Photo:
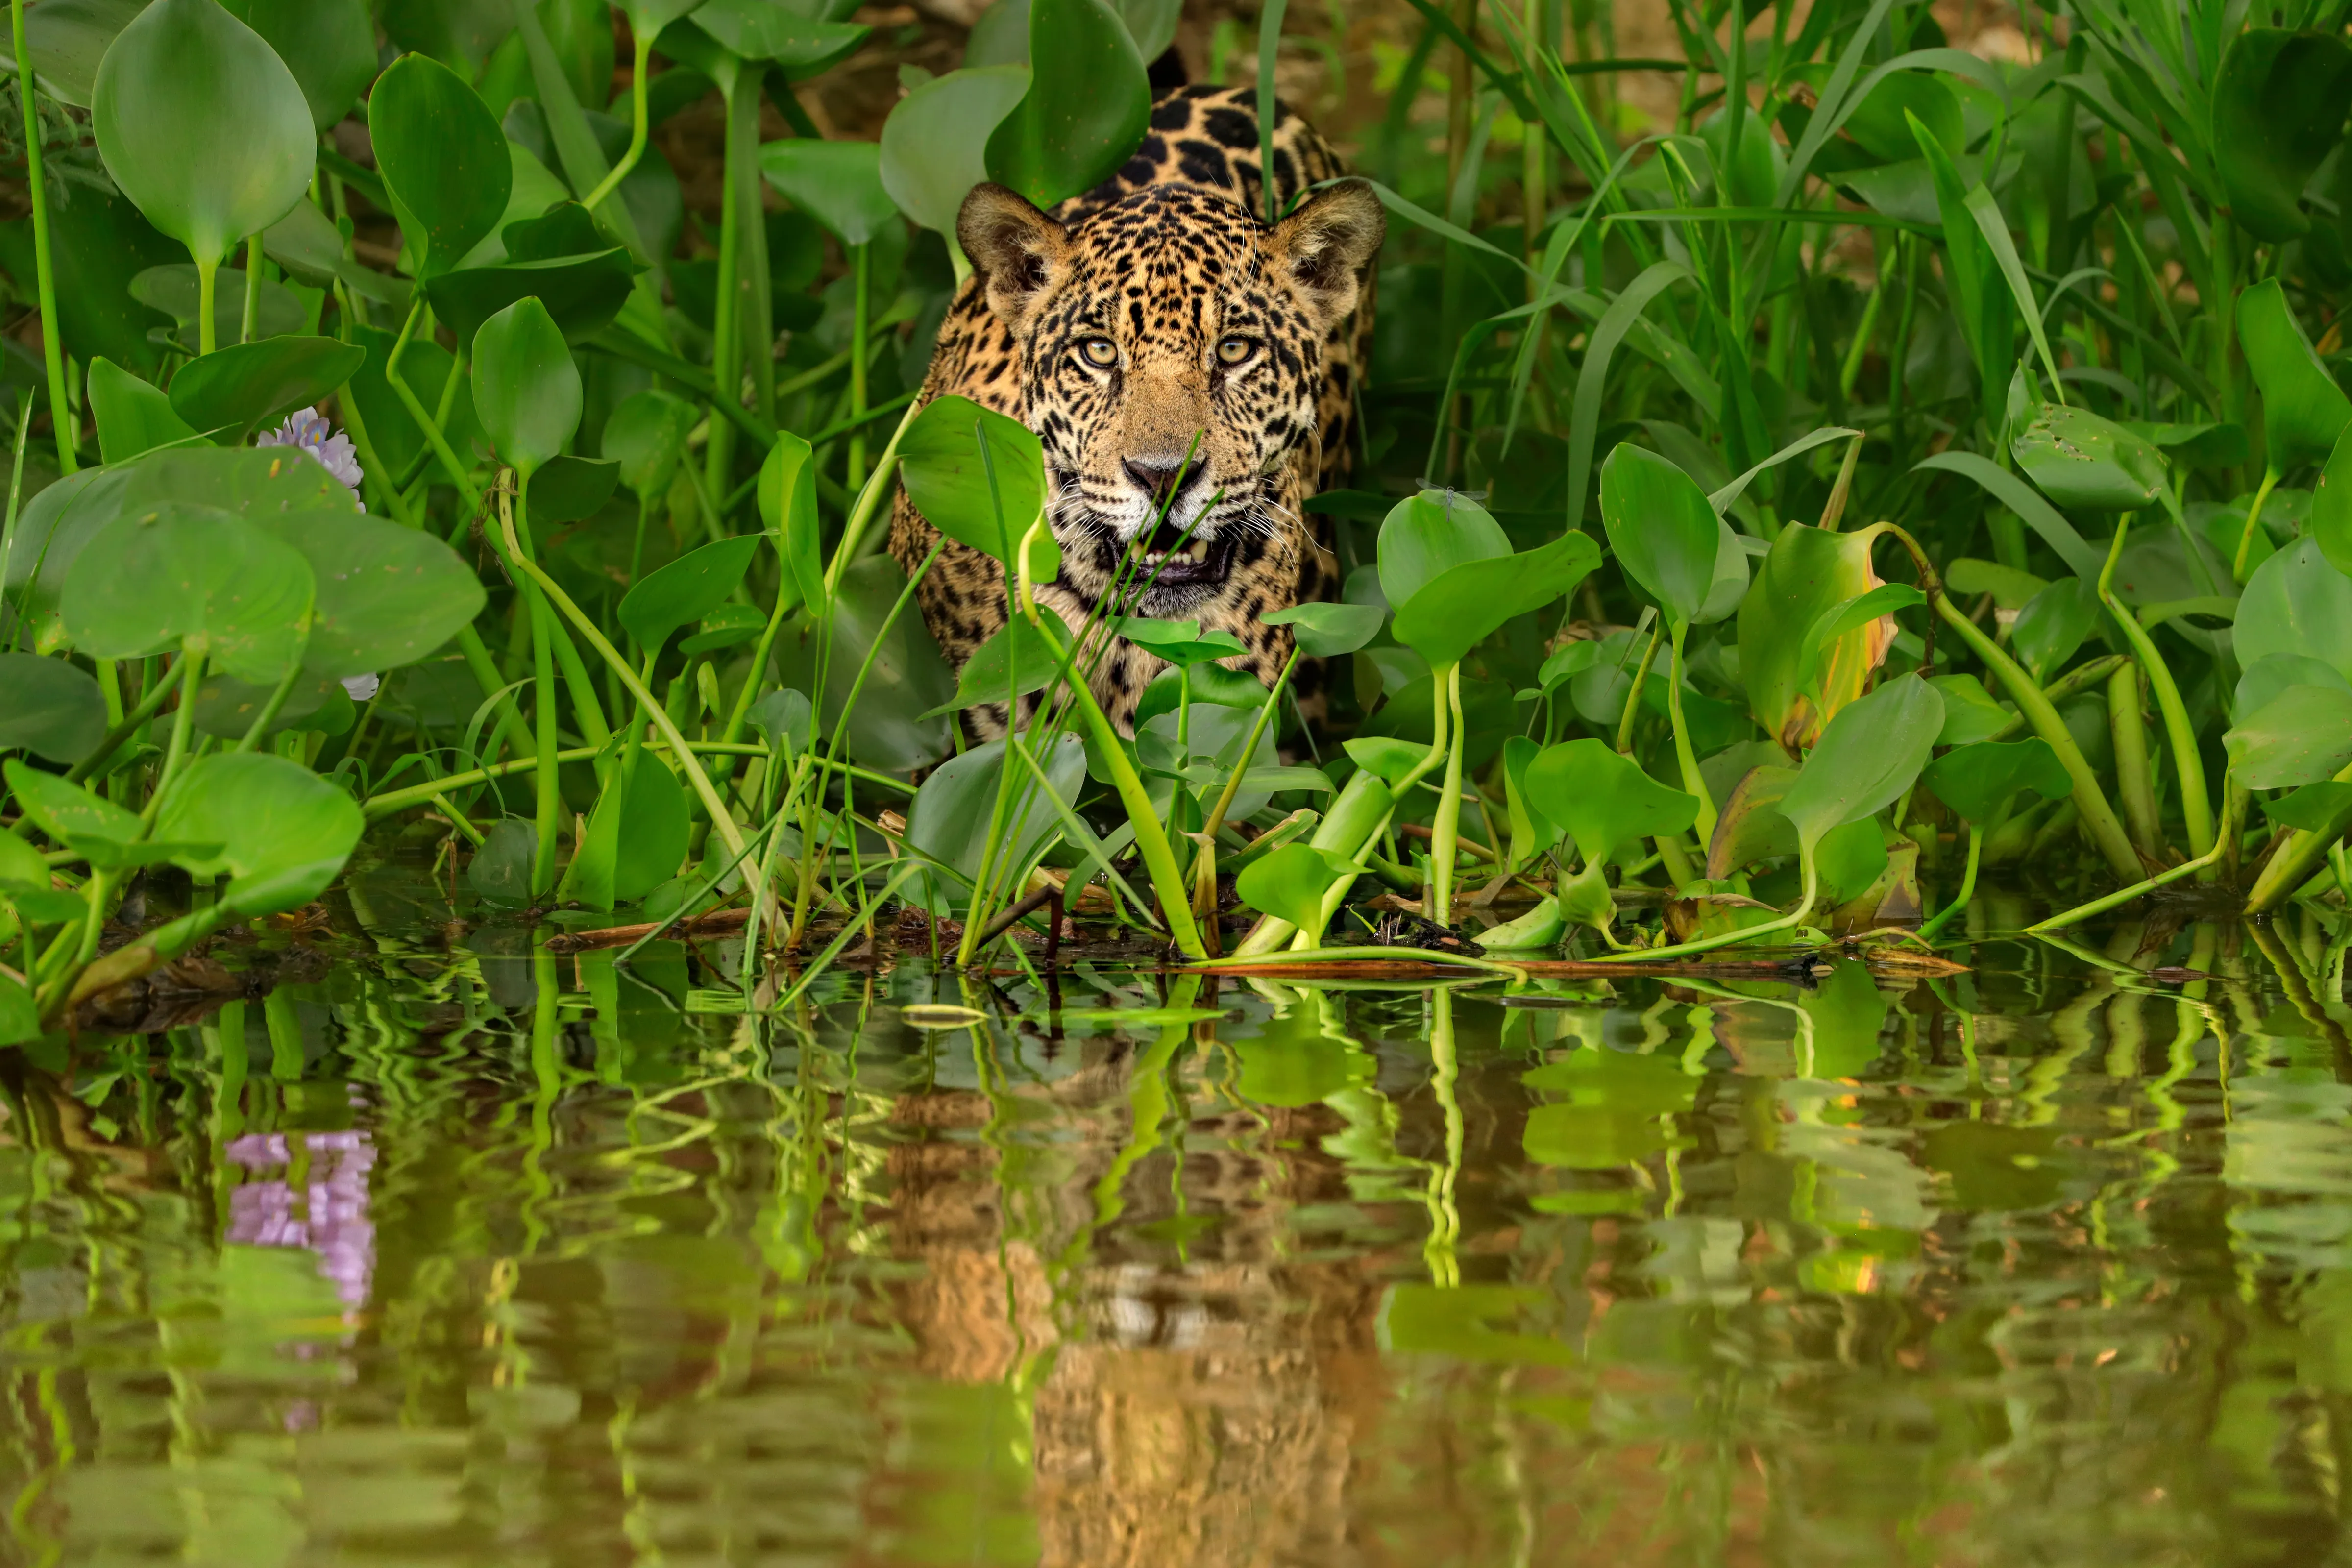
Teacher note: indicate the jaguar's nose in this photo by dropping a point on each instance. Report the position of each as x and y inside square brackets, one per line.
[1164, 478]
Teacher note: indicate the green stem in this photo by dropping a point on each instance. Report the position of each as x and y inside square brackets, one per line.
[248, 326]
[2081, 912]
[869, 498]
[207, 288]
[1967, 885]
[2270, 477]
[184, 720]
[1724, 939]
[52, 344]
[2133, 781]
[1633, 694]
[1360, 954]
[277, 703]
[1686, 759]
[131, 723]
[861, 263]
[2298, 857]
[640, 124]
[1445, 830]
[2196, 806]
[425, 794]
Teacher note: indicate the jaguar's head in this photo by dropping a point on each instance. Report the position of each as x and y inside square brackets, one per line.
[1171, 356]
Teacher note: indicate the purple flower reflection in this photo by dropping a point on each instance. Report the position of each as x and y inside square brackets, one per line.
[332, 1216]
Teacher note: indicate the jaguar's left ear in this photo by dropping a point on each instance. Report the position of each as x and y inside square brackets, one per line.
[1326, 244]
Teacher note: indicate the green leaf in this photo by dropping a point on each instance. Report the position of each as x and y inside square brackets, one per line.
[175, 288]
[284, 832]
[2313, 808]
[387, 595]
[2019, 498]
[1977, 780]
[636, 837]
[2082, 461]
[2270, 676]
[941, 459]
[787, 493]
[133, 415]
[2010, 588]
[1290, 883]
[2003, 250]
[1327, 631]
[1602, 800]
[1808, 573]
[2331, 505]
[935, 143]
[582, 293]
[952, 817]
[1841, 620]
[67, 39]
[2304, 410]
[1428, 535]
[1661, 527]
[1867, 755]
[686, 590]
[71, 815]
[568, 489]
[500, 869]
[1970, 714]
[2278, 109]
[1455, 610]
[2295, 603]
[763, 30]
[887, 730]
[329, 45]
[50, 708]
[202, 126]
[1088, 107]
[646, 436]
[21, 865]
[839, 184]
[1850, 858]
[250, 384]
[525, 388]
[1750, 826]
[203, 578]
[1015, 662]
[426, 367]
[2301, 736]
[1384, 756]
[1180, 642]
[2054, 624]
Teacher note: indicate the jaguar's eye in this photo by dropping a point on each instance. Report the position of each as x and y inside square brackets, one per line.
[1236, 350]
[1101, 353]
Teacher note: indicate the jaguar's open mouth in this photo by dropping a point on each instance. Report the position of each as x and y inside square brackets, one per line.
[1166, 559]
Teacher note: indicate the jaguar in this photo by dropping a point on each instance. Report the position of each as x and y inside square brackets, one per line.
[1191, 371]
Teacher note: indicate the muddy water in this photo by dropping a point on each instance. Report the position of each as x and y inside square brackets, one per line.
[479, 1258]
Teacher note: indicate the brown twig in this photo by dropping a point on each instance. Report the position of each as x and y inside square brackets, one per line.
[621, 936]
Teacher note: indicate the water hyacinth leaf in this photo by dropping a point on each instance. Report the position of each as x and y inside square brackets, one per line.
[1602, 800]
[74, 816]
[1088, 107]
[204, 175]
[2010, 587]
[2301, 736]
[728, 626]
[227, 707]
[2313, 807]
[1327, 631]
[2054, 624]
[686, 590]
[133, 416]
[636, 839]
[427, 368]
[646, 436]
[2304, 410]
[785, 718]
[1290, 883]
[1384, 756]
[1729, 591]
[567, 489]
[2295, 603]
[935, 143]
[1180, 642]
[525, 388]
[1807, 575]
[1977, 780]
[584, 294]
[21, 866]
[1970, 714]
[886, 729]
[2026, 502]
[948, 481]
[2080, 460]
[1015, 661]
[1849, 858]
[52, 708]
[387, 595]
[1660, 529]
[176, 288]
[801, 45]
[2206, 446]
[1202, 683]
[240, 387]
[1455, 610]
[1428, 534]
[839, 184]
[951, 818]
[500, 869]
[67, 39]
[284, 832]
[1867, 755]
[2331, 505]
[787, 495]
[1751, 827]
[2270, 675]
[329, 45]
[203, 579]
[1841, 621]
[2278, 109]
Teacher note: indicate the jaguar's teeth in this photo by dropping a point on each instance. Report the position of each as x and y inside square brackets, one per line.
[1198, 550]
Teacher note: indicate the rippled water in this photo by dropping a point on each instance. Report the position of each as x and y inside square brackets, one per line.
[477, 1257]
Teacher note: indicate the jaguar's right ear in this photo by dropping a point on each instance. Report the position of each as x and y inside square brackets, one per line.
[1018, 251]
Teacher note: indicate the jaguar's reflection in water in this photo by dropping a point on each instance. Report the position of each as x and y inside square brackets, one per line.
[520, 1262]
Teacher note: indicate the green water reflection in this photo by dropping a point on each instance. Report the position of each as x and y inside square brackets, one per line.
[483, 1257]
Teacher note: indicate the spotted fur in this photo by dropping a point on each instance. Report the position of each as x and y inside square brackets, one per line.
[1170, 263]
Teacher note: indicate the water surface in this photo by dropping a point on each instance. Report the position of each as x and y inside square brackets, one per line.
[466, 1257]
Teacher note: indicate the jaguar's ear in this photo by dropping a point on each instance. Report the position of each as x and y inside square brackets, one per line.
[1325, 245]
[1019, 252]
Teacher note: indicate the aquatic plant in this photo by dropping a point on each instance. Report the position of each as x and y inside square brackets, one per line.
[1791, 508]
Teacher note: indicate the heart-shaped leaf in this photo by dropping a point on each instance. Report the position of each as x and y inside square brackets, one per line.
[1431, 533]
[1661, 527]
[50, 708]
[2304, 410]
[799, 43]
[2314, 808]
[1088, 107]
[1867, 755]
[646, 436]
[329, 45]
[2278, 109]
[67, 39]
[284, 832]
[387, 595]
[1180, 642]
[1327, 631]
[2080, 460]
[686, 590]
[1458, 608]
[839, 184]
[2301, 736]
[637, 836]
[582, 293]
[1977, 780]
[1291, 882]
[250, 384]
[954, 816]
[1602, 800]
[133, 415]
[567, 489]
[947, 479]
[1014, 662]
[1808, 573]
[74, 816]
[2054, 624]
[525, 388]
[205, 579]
[2295, 603]
[202, 126]
[935, 143]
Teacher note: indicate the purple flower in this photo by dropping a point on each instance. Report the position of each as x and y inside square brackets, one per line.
[310, 431]
[329, 1215]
